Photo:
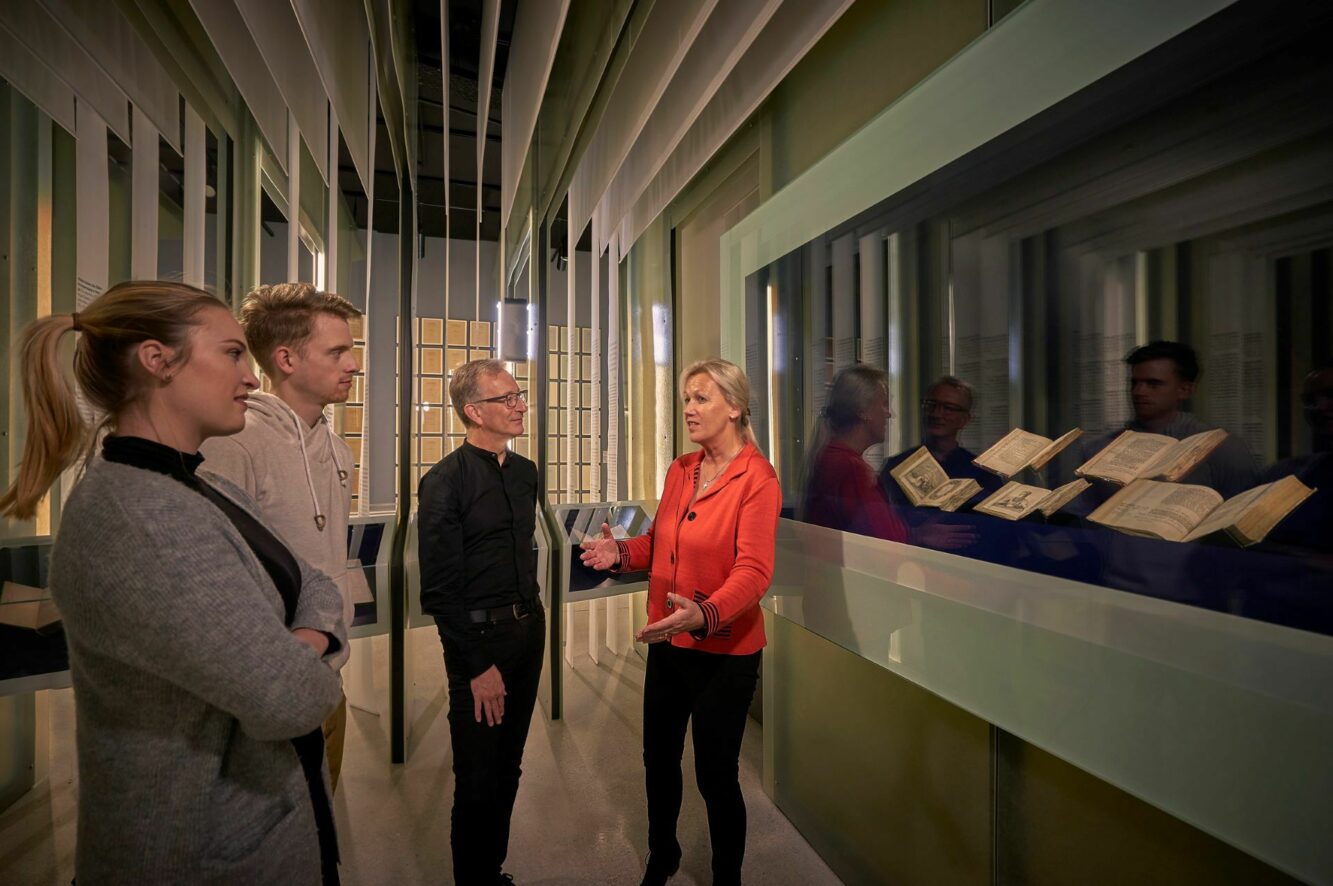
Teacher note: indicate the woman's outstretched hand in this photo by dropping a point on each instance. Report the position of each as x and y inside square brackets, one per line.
[686, 616]
[600, 552]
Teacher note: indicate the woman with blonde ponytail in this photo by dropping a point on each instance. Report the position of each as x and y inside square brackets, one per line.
[840, 490]
[203, 652]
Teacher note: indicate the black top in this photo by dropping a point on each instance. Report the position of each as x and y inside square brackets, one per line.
[475, 521]
[282, 567]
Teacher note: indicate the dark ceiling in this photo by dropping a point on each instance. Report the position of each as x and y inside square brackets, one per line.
[459, 125]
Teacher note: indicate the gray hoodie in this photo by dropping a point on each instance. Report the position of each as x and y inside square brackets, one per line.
[301, 478]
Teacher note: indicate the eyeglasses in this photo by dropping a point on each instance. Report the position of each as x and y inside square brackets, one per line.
[510, 400]
[948, 408]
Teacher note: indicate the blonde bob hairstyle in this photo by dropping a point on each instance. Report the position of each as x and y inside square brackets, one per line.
[735, 387]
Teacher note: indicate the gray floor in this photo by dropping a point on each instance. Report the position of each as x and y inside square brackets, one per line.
[580, 815]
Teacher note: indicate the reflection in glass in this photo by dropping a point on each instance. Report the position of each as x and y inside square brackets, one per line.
[1163, 273]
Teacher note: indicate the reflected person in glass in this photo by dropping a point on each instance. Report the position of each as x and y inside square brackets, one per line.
[203, 651]
[710, 555]
[1163, 376]
[839, 486]
[945, 411]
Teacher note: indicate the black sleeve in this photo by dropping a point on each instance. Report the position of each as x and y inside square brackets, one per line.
[440, 556]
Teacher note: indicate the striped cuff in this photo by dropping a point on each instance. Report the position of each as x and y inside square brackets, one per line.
[623, 564]
[711, 619]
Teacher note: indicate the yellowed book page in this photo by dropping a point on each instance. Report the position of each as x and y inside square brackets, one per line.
[1184, 456]
[1013, 501]
[1063, 495]
[951, 495]
[1013, 453]
[1250, 516]
[919, 475]
[1055, 447]
[1164, 510]
[1125, 457]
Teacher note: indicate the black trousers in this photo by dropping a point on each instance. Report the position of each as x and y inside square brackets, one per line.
[488, 759]
[714, 692]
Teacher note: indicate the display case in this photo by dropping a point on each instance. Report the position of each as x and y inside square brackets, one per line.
[1063, 696]
[577, 522]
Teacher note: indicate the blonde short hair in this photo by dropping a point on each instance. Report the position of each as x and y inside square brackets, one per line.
[284, 314]
[733, 383]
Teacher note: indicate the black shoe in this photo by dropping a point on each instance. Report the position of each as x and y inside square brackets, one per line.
[658, 872]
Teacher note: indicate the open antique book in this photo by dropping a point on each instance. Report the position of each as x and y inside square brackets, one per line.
[927, 486]
[1135, 455]
[1182, 512]
[22, 606]
[1014, 501]
[1021, 449]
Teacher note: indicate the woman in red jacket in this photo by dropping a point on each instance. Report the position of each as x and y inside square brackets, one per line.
[710, 558]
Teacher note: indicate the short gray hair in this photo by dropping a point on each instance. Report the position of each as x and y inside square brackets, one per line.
[463, 386]
[953, 381]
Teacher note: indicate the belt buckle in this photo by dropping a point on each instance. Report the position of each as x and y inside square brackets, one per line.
[520, 612]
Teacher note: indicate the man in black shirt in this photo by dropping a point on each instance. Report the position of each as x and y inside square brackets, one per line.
[476, 516]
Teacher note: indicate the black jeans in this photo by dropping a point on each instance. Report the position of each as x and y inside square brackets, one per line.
[715, 692]
[488, 759]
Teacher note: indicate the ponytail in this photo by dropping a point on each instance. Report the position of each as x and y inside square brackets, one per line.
[105, 369]
[56, 430]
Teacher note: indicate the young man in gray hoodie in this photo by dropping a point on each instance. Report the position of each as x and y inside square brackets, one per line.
[288, 458]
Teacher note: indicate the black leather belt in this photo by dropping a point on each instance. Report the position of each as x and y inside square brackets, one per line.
[512, 612]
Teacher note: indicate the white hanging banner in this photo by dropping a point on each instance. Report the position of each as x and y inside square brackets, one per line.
[731, 30]
[144, 196]
[196, 156]
[231, 38]
[26, 73]
[338, 36]
[665, 36]
[537, 28]
[277, 34]
[54, 53]
[108, 37]
[613, 371]
[784, 41]
[92, 186]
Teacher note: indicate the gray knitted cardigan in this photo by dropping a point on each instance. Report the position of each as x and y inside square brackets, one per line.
[188, 687]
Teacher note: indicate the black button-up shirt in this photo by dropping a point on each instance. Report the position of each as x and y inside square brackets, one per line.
[475, 522]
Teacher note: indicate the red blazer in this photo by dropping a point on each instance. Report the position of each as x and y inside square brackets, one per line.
[718, 553]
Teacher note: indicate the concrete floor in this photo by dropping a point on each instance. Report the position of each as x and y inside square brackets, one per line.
[580, 816]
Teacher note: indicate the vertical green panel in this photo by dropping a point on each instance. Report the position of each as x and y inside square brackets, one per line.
[887, 782]
[18, 742]
[1057, 824]
[873, 54]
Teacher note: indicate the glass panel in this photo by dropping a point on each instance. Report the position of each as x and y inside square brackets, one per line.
[1034, 340]
[120, 226]
[171, 213]
[272, 238]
